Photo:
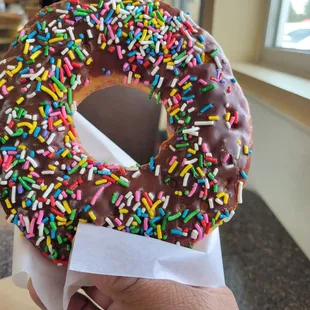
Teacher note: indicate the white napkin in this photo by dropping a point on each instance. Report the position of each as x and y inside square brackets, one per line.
[119, 253]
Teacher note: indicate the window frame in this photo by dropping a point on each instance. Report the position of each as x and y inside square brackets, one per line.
[291, 61]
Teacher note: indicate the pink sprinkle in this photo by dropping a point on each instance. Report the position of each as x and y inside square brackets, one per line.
[145, 223]
[63, 111]
[64, 194]
[200, 194]
[31, 71]
[153, 29]
[137, 196]
[86, 82]
[190, 65]
[103, 11]
[21, 219]
[140, 57]
[45, 153]
[12, 152]
[193, 190]
[187, 77]
[69, 22]
[111, 32]
[5, 158]
[31, 227]
[52, 49]
[26, 165]
[225, 158]
[167, 13]
[160, 195]
[183, 162]
[100, 190]
[140, 25]
[172, 160]
[136, 82]
[113, 167]
[78, 194]
[50, 73]
[206, 217]
[4, 91]
[137, 31]
[67, 61]
[73, 196]
[54, 114]
[106, 6]
[165, 102]
[158, 61]
[232, 119]
[97, 21]
[165, 36]
[190, 43]
[74, 164]
[126, 65]
[189, 101]
[119, 200]
[21, 34]
[194, 62]
[24, 89]
[36, 175]
[204, 147]
[146, 82]
[191, 51]
[203, 82]
[199, 229]
[119, 52]
[175, 100]
[29, 236]
[118, 222]
[41, 214]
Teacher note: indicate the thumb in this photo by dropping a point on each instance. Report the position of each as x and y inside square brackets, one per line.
[144, 294]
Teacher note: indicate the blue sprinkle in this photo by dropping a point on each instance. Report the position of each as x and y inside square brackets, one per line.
[87, 208]
[171, 120]
[39, 37]
[199, 216]
[15, 219]
[199, 60]
[244, 175]
[57, 72]
[66, 177]
[176, 232]
[161, 211]
[149, 231]
[109, 15]
[57, 193]
[38, 26]
[14, 43]
[53, 234]
[193, 78]
[45, 220]
[36, 132]
[144, 215]
[206, 108]
[24, 71]
[152, 163]
[155, 219]
[55, 104]
[60, 151]
[234, 80]
[8, 148]
[52, 217]
[188, 98]
[52, 60]
[38, 87]
[184, 214]
[32, 34]
[201, 38]
[187, 91]
[18, 58]
[139, 212]
[250, 152]
[201, 181]
[32, 153]
[42, 13]
[176, 72]
[28, 203]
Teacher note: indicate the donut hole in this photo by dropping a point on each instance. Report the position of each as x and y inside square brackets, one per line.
[127, 117]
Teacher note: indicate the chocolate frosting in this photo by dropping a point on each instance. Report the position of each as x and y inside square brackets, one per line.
[213, 153]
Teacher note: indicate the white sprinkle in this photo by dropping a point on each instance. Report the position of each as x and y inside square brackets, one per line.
[174, 82]
[180, 60]
[47, 191]
[124, 179]
[3, 73]
[89, 33]
[219, 201]
[170, 67]
[211, 204]
[238, 151]
[189, 58]
[27, 223]
[133, 168]
[32, 161]
[204, 123]
[194, 234]
[85, 52]
[185, 180]
[227, 219]
[199, 141]
[157, 170]
[101, 27]
[152, 59]
[82, 171]
[157, 47]
[8, 111]
[61, 11]
[136, 206]
[31, 95]
[191, 110]
[196, 147]
[160, 83]
[128, 223]
[39, 241]
[51, 138]
[36, 186]
[240, 189]
[191, 130]
[230, 166]
[90, 174]
[155, 70]
[51, 149]
[52, 23]
[192, 161]
[215, 171]
[61, 128]
[64, 51]
[10, 218]
[93, 8]
[13, 194]
[131, 45]
[60, 206]
[71, 33]
[34, 76]
[172, 148]
[129, 201]
[136, 174]
[9, 130]
[129, 80]
[4, 182]
[34, 205]
[198, 49]
[121, 206]
[218, 62]
[165, 205]
[111, 225]
[48, 172]
[41, 229]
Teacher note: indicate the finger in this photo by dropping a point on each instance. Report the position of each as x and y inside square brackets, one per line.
[98, 297]
[34, 295]
[81, 302]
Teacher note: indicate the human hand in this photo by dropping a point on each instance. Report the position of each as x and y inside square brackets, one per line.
[119, 293]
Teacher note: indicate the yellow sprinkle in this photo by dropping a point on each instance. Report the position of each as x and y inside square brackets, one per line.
[174, 112]
[220, 222]
[13, 211]
[144, 33]
[45, 75]
[100, 182]
[138, 76]
[22, 146]
[48, 91]
[61, 219]
[103, 46]
[10, 88]
[123, 211]
[41, 139]
[149, 210]
[6, 138]
[9, 73]
[69, 119]
[59, 93]
[226, 197]
[92, 215]
[167, 59]
[54, 40]
[25, 124]
[17, 69]
[200, 45]
[51, 167]
[8, 203]
[145, 23]
[156, 204]
[2, 82]
[24, 204]
[188, 85]
[220, 195]
[217, 215]
[185, 170]
[82, 162]
[58, 64]
[71, 135]
[65, 153]
[67, 207]
[159, 233]
[78, 41]
[200, 172]
[48, 241]
[57, 123]
[173, 92]
[246, 149]
[57, 185]
[121, 227]
[227, 116]
[125, 34]
[82, 221]
[33, 127]
[71, 55]
[43, 188]
[203, 57]
[61, 223]
[115, 177]
[67, 139]
[20, 100]
[173, 166]
[134, 223]
[191, 151]
[89, 61]
[69, 223]
[41, 109]
[214, 118]
[35, 55]
[239, 141]
[26, 48]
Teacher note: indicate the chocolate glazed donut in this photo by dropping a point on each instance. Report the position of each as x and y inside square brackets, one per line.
[49, 183]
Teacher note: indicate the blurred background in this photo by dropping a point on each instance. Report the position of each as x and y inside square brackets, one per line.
[266, 248]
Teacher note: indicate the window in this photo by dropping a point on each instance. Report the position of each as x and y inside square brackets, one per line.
[287, 44]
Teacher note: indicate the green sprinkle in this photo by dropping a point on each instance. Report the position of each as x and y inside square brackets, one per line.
[158, 98]
[136, 217]
[24, 185]
[214, 53]
[160, 16]
[167, 180]
[164, 223]
[29, 180]
[114, 197]
[174, 217]
[191, 215]
[200, 163]
[59, 239]
[72, 215]
[215, 188]
[213, 222]
[165, 237]
[53, 225]
[46, 231]
[58, 83]
[77, 13]
[211, 176]
[208, 88]
[181, 145]
[123, 183]
[151, 92]
[135, 230]
[70, 98]
[80, 54]
[181, 55]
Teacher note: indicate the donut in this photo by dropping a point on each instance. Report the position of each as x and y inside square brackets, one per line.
[49, 183]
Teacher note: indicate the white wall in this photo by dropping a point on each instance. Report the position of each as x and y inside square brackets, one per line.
[280, 170]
